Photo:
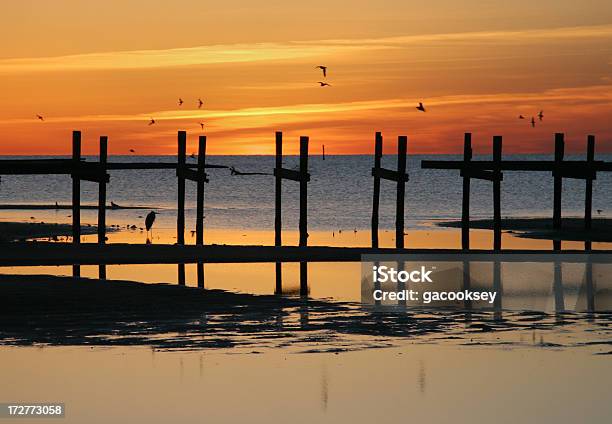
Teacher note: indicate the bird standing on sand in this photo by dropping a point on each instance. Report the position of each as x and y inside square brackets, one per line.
[180, 102]
[421, 107]
[532, 122]
[324, 69]
[149, 220]
[200, 103]
[324, 84]
[540, 115]
[152, 121]
[201, 125]
[40, 118]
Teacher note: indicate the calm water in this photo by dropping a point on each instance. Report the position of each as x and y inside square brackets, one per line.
[339, 196]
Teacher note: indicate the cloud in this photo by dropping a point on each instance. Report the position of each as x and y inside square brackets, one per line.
[237, 53]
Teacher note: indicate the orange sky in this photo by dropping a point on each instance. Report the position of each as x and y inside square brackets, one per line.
[106, 69]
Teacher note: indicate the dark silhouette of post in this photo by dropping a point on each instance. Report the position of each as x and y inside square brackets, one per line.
[402, 143]
[76, 195]
[558, 179]
[376, 196]
[201, 180]
[497, 176]
[102, 201]
[324, 152]
[558, 185]
[180, 219]
[278, 208]
[588, 197]
[303, 212]
[465, 204]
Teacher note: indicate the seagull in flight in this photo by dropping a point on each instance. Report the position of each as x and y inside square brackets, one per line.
[532, 122]
[541, 114]
[152, 121]
[201, 125]
[421, 107]
[324, 84]
[323, 68]
[180, 102]
[200, 103]
[40, 117]
[521, 117]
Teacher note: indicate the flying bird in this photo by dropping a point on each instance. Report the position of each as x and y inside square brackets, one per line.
[40, 117]
[532, 121]
[421, 107]
[132, 151]
[323, 68]
[180, 102]
[521, 117]
[541, 114]
[149, 220]
[201, 125]
[200, 103]
[324, 84]
[152, 121]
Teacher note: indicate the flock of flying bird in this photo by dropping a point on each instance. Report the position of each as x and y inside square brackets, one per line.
[323, 83]
[540, 116]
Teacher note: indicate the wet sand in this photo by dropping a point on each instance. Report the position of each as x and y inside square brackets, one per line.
[20, 231]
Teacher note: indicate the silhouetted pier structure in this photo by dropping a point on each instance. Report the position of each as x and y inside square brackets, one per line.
[492, 171]
[102, 254]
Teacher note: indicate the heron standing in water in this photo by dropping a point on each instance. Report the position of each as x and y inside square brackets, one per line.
[149, 220]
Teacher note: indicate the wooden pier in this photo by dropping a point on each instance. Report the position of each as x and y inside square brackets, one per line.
[102, 254]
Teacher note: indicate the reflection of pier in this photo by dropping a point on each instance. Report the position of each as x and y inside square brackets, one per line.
[563, 281]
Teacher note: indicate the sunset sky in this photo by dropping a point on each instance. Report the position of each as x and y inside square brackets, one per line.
[106, 68]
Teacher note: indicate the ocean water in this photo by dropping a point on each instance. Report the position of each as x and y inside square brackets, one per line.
[339, 193]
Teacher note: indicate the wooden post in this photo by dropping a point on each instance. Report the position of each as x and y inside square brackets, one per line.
[303, 212]
[102, 201]
[200, 204]
[497, 156]
[76, 195]
[180, 219]
[376, 196]
[402, 145]
[465, 204]
[324, 152]
[278, 209]
[558, 180]
[303, 191]
[588, 198]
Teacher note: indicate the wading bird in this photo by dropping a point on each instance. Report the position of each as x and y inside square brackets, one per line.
[532, 122]
[200, 103]
[180, 102]
[152, 121]
[201, 125]
[323, 68]
[40, 117]
[521, 117]
[540, 115]
[149, 220]
[324, 84]
[421, 107]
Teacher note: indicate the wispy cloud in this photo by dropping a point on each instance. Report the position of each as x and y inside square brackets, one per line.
[236, 53]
